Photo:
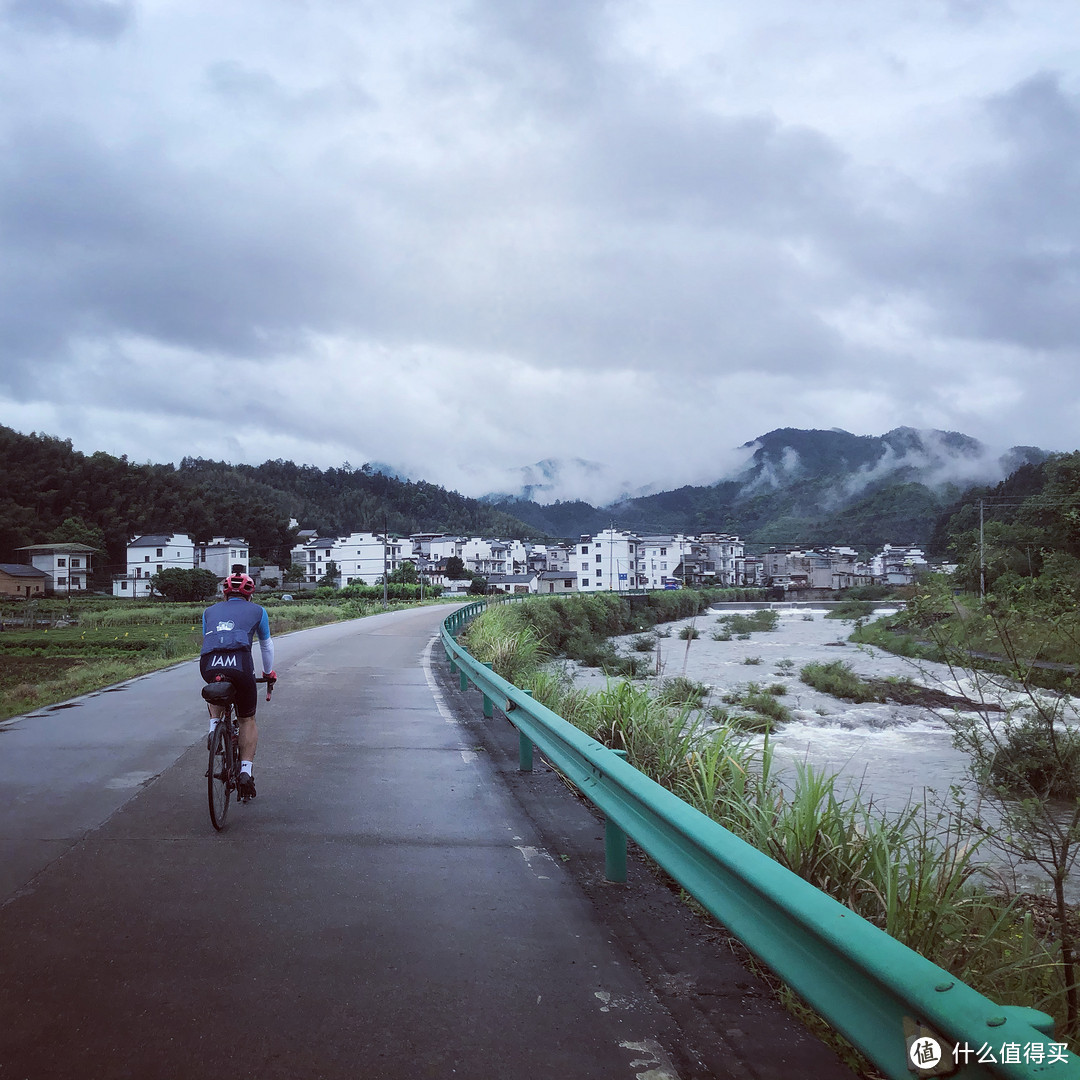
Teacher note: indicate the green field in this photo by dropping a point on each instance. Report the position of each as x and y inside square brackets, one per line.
[85, 644]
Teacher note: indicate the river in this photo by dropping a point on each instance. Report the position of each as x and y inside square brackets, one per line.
[888, 752]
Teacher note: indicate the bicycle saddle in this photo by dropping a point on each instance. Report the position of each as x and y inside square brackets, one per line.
[219, 693]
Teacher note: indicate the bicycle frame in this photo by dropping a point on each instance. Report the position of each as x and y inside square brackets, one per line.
[223, 770]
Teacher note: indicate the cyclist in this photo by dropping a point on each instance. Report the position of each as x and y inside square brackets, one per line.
[229, 630]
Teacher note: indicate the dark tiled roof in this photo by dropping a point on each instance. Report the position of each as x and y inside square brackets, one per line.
[19, 570]
[61, 548]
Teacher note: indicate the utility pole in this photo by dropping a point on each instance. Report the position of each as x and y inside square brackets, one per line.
[385, 572]
[982, 555]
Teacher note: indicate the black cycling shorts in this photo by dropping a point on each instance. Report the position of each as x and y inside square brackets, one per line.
[237, 667]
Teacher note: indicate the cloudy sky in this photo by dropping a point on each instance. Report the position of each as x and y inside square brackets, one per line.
[460, 236]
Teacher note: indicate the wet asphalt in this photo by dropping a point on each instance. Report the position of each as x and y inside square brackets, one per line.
[390, 906]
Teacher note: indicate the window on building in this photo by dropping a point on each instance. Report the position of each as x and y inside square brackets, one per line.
[123, 586]
[76, 564]
[146, 558]
[585, 583]
[61, 562]
[598, 557]
[61, 581]
[584, 549]
[568, 584]
[585, 566]
[663, 551]
[158, 554]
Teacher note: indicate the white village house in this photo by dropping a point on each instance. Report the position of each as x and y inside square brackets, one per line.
[148, 554]
[66, 566]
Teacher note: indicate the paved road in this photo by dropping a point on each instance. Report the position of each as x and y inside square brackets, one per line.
[384, 909]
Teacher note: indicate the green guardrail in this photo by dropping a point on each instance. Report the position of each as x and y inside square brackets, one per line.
[906, 1014]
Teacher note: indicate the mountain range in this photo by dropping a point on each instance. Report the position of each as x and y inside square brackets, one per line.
[798, 487]
[793, 486]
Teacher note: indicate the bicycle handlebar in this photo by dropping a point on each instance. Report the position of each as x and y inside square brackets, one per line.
[269, 685]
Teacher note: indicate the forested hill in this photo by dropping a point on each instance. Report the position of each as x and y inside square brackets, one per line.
[51, 492]
[1030, 528]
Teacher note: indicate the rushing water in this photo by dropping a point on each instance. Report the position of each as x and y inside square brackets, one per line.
[891, 753]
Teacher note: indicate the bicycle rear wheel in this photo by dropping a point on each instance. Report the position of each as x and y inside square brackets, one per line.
[218, 777]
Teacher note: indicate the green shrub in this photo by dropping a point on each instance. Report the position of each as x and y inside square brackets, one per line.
[765, 620]
[837, 678]
[682, 691]
[1035, 760]
[689, 633]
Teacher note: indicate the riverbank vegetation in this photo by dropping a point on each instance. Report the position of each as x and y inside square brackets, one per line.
[916, 874]
[55, 649]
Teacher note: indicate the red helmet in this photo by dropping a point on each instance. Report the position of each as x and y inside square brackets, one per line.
[238, 585]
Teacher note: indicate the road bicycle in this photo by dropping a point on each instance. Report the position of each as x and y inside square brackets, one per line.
[223, 771]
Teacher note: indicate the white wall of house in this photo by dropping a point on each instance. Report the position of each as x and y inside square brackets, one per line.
[557, 582]
[606, 562]
[221, 554]
[359, 557]
[146, 555]
[486, 557]
[67, 567]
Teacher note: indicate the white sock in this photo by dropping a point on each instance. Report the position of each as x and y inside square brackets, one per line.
[248, 767]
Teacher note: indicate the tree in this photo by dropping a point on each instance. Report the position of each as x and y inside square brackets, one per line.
[296, 574]
[330, 578]
[455, 568]
[1023, 744]
[405, 574]
[178, 584]
[74, 530]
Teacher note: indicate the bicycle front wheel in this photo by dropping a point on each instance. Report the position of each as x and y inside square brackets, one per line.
[217, 777]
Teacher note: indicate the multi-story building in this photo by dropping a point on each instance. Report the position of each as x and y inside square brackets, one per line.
[726, 553]
[832, 568]
[221, 554]
[66, 566]
[359, 558]
[148, 554]
[607, 562]
[897, 564]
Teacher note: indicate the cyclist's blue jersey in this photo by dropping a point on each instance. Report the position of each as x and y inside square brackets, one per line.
[234, 624]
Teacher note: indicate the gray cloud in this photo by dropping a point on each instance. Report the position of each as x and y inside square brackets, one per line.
[102, 19]
[575, 216]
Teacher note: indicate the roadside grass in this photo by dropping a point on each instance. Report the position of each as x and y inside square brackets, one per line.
[910, 873]
[96, 642]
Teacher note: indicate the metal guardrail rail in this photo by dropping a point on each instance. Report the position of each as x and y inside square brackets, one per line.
[900, 1009]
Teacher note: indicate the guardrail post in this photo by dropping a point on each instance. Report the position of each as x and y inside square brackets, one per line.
[615, 846]
[614, 853]
[489, 705]
[463, 682]
[525, 748]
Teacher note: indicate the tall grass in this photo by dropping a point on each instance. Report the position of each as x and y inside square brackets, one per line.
[909, 873]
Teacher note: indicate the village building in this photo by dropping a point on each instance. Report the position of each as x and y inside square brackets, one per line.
[146, 555]
[221, 555]
[359, 558]
[556, 581]
[66, 566]
[18, 579]
[608, 562]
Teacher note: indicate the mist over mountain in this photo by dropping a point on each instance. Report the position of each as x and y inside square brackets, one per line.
[567, 479]
[798, 486]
